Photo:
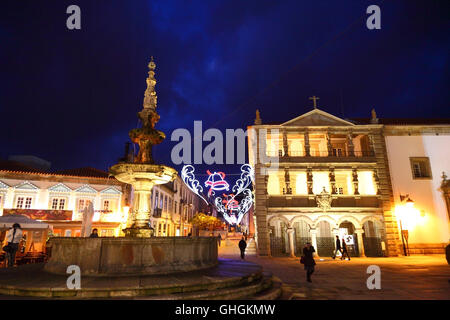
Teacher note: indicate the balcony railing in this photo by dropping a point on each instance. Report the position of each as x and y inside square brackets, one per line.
[334, 153]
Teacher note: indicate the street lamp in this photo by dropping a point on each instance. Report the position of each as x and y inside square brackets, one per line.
[409, 204]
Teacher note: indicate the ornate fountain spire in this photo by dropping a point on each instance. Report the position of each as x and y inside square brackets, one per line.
[147, 135]
[150, 97]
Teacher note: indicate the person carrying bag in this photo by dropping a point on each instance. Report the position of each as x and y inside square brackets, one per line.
[13, 236]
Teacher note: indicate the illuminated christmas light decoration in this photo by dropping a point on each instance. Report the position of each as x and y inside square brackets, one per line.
[188, 177]
[231, 209]
[216, 182]
[230, 212]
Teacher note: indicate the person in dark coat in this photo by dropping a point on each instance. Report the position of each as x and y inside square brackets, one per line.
[94, 234]
[242, 246]
[309, 262]
[344, 250]
[338, 247]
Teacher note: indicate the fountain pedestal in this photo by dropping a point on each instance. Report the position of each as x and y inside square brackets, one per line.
[142, 177]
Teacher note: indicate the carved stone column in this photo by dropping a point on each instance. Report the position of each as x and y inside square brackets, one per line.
[307, 147]
[285, 144]
[332, 180]
[287, 181]
[377, 181]
[371, 145]
[329, 146]
[290, 232]
[359, 237]
[355, 181]
[309, 180]
[351, 147]
[313, 233]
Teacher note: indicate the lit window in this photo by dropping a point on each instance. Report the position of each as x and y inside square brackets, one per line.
[421, 168]
[62, 204]
[366, 184]
[19, 203]
[301, 184]
[58, 203]
[82, 204]
[54, 204]
[28, 203]
[320, 181]
[273, 184]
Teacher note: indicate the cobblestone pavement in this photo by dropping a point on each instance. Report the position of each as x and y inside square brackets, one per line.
[413, 277]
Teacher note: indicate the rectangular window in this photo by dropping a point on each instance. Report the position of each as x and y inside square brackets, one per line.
[82, 204]
[19, 203]
[28, 203]
[420, 167]
[156, 199]
[58, 203]
[337, 152]
[106, 205]
[62, 204]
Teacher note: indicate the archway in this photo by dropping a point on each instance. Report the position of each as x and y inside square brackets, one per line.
[347, 228]
[372, 237]
[302, 235]
[279, 241]
[325, 239]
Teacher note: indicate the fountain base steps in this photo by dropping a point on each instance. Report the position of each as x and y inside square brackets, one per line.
[230, 279]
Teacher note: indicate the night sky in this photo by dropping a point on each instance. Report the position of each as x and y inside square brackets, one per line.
[71, 96]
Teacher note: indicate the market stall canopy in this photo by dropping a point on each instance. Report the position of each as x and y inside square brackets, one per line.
[6, 222]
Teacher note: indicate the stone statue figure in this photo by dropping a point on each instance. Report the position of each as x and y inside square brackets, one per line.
[147, 136]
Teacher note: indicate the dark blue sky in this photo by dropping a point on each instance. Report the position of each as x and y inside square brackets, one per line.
[71, 97]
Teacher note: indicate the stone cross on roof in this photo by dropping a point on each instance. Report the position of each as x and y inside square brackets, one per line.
[314, 99]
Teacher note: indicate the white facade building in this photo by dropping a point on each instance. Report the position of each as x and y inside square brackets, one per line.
[418, 156]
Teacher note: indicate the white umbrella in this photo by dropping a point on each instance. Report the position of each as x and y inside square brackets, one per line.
[86, 225]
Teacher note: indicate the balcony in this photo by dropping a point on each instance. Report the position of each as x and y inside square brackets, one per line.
[338, 201]
[337, 155]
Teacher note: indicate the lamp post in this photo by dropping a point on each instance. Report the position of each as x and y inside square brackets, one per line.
[408, 204]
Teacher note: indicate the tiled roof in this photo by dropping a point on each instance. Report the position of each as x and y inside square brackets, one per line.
[8, 165]
[84, 172]
[14, 166]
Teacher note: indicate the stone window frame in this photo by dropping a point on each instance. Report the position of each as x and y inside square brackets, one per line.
[426, 160]
[25, 196]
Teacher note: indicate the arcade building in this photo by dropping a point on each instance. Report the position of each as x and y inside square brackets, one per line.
[375, 180]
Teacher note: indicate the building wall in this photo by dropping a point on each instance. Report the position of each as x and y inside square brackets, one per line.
[39, 188]
[433, 226]
[177, 216]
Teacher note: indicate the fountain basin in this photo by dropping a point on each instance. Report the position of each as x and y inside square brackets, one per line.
[137, 173]
[132, 256]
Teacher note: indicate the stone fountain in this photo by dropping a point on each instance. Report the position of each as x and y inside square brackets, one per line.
[139, 265]
[143, 173]
[138, 253]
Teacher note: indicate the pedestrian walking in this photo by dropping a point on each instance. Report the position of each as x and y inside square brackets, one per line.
[242, 246]
[308, 260]
[344, 250]
[220, 239]
[338, 247]
[13, 237]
